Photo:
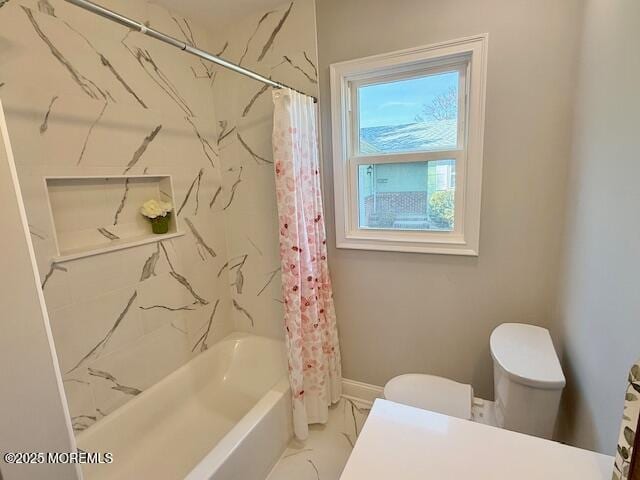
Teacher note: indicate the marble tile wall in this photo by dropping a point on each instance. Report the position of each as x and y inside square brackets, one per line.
[84, 96]
[279, 43]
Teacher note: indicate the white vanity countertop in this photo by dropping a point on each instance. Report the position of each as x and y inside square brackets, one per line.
[405, 443]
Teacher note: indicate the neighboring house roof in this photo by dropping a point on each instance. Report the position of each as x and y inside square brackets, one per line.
[429, 135]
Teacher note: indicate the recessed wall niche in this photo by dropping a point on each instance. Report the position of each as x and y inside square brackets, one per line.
[93, 215]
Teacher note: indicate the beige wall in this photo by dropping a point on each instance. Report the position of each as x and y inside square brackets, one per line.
[599, 312]
[428, 313]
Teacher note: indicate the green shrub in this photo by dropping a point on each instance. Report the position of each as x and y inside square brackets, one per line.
[441, 208]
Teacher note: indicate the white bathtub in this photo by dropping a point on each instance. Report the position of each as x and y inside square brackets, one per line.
[225, 415]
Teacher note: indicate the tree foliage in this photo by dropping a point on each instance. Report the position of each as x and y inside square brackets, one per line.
[441, 208]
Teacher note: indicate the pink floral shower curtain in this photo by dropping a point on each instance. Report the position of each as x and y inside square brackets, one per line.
[310, 320]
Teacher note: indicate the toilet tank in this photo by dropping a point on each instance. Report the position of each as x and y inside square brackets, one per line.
[528, 379]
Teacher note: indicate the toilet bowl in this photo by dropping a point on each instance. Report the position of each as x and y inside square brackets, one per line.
[528, 383]
[431, 393]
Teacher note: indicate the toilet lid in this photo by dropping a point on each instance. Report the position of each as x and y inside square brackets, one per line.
[431, 393]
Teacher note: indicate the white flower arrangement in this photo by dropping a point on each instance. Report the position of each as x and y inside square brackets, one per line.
[155, 208]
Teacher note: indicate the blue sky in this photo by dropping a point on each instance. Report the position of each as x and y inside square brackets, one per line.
[398, 103]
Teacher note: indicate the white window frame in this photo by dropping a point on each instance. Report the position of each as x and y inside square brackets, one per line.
[346, 77]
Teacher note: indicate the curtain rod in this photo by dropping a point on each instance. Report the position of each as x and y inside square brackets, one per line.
[140, 27]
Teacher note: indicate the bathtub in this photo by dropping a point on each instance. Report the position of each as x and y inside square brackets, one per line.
[225, 415]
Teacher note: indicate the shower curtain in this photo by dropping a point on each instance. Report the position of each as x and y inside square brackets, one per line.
[309, 315]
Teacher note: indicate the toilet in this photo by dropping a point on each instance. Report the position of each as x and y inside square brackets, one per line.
[431, 393]
[528, 383]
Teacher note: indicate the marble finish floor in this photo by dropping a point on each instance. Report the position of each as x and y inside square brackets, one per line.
[325, 453]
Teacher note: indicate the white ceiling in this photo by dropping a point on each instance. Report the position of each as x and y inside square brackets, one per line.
[211, 13]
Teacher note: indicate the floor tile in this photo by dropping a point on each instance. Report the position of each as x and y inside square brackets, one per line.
[324, 454]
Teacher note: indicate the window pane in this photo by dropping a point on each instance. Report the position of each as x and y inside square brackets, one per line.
[409, 115]
[407, 196]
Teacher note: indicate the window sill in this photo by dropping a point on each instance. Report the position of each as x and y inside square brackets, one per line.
[435, 248]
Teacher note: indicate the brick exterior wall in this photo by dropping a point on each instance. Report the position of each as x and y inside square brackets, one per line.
[390, 203]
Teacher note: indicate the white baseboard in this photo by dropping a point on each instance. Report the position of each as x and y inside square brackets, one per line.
[360, 391]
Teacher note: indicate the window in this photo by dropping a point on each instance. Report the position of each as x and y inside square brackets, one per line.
[407, 148]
